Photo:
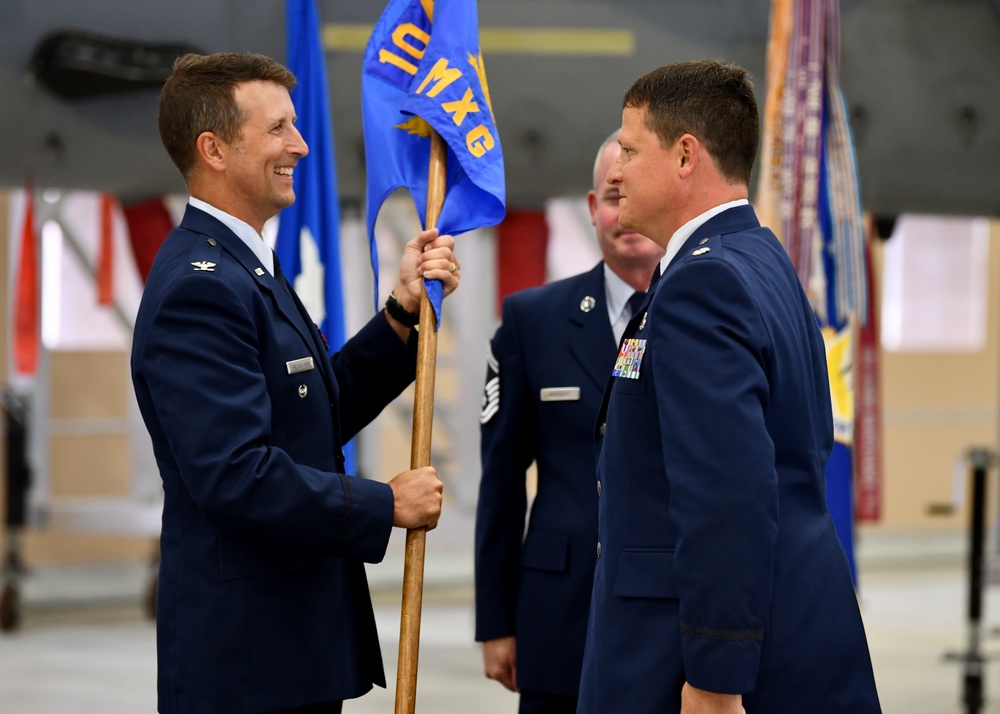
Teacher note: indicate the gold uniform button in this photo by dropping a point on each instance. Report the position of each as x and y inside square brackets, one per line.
[598, 550]
[598, 488]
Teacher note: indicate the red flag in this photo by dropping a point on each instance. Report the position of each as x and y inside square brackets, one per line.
[868, 404]
[26, 298]
[105, 254]
[522, 240]
[148, 224]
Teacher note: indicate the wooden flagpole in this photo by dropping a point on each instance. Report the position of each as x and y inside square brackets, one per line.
[420, 455]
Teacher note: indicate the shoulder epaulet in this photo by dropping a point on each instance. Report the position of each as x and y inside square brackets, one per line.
[705, 245]
[205, 255]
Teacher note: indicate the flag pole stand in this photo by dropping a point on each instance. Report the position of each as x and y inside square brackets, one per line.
[973, 660]
[420, 455]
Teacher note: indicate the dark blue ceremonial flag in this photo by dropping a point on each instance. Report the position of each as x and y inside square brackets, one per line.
[308, 242]
[423, 69]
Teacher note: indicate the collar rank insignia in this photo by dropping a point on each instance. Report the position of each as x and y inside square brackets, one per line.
[588, 304]
[204, 266]
[259, 271]
[642, 323]
[701, 251]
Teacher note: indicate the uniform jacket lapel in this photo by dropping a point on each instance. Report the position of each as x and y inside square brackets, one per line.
[593, 334]
[288, 304]
[739, 218]
[318, 345]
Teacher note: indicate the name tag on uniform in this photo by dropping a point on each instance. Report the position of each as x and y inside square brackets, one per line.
[561, 394]
[629, 359]
[300, 365]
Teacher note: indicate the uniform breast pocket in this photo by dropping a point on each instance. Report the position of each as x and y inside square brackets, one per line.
[303, 381]
[646, 573]
[298, 391]
[290, 362]
[630, 387]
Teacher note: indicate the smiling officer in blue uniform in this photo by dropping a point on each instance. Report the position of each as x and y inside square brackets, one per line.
[549, 362]
[263, 605]
[720, 585]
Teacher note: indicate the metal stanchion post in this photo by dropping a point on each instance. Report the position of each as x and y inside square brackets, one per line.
[972, 659]
[16, 483]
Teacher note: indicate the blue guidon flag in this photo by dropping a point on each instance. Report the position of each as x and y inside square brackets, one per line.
[308, 241]
[423, 70]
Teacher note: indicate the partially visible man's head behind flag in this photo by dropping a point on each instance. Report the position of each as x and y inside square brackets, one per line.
[423, 70]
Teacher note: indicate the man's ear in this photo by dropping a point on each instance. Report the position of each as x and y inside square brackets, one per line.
[212, 150]
[592, 205]
[688, 153]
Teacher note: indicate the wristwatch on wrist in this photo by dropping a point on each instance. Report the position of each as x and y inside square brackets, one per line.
[399, 313]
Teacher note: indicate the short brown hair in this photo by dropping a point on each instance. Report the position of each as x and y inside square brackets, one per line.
[199, 96]
[709, 99]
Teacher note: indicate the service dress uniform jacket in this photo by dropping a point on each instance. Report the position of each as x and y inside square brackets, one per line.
[263, 602]
[718, 562]
[550, 360]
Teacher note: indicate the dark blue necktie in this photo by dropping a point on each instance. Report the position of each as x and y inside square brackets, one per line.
[635, 302]
[656, 276]
[279, 275]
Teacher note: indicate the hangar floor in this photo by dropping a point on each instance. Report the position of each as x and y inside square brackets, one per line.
[86, 648]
